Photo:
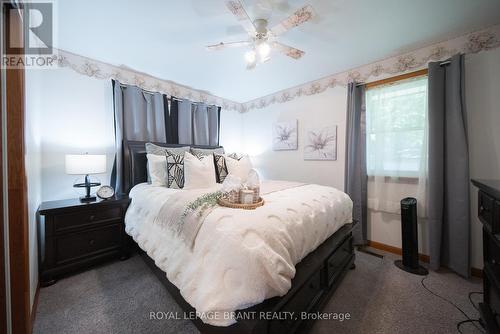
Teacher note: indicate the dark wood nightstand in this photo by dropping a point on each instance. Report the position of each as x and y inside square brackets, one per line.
[73, 235]
[489, 214]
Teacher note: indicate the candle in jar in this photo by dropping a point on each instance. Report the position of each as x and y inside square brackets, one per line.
[246, 196]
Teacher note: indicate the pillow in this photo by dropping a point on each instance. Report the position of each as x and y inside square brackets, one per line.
[157, 169]
[175, 169]
[199, 173]
[160, 150]
[220, 167]
[240, 167]
[201, 152]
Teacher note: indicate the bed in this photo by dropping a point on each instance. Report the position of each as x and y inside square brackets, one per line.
[247, 271]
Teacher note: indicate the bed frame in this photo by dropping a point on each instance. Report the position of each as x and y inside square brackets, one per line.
[317, 276]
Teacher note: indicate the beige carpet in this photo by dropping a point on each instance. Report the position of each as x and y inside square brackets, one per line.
[380, 298]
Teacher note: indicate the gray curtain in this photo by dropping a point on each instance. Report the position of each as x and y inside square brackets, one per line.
[448, 200]
[355, 165]
[139, 115]
[198, 123]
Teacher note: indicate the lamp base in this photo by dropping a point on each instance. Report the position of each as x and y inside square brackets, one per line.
[88, 199]
[87, 185]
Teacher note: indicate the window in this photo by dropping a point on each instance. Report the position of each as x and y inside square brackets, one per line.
[396, 128]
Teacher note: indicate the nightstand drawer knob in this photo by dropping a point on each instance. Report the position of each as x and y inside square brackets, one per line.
[91, 242]
[92, 217]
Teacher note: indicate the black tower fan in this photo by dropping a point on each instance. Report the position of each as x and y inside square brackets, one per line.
[410, 238]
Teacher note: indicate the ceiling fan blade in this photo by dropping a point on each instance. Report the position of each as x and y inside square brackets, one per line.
[236, 7]
[288, 50]
[222, 45]
[302, 15]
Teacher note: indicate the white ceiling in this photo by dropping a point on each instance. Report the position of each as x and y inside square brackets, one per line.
[167, 38]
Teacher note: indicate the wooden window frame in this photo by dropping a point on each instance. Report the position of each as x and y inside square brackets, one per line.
[391, 81]
[397, 78]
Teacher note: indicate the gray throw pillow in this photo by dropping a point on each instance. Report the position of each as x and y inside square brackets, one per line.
[160, 150]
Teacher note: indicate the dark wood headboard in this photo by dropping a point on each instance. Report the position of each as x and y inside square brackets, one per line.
[135, 161]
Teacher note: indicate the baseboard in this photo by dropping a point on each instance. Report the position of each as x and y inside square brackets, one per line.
[34, 307]
[476, 272]
[395, 250]
[422, 257]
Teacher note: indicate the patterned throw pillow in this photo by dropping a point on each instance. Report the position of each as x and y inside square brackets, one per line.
[220, 167]
[161, 150]
[235, 156]
[201, 152]
[175, 170]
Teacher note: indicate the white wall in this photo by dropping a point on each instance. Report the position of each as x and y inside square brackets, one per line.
[76, 117]
[482, 87]
[33, 161]
[327, 108]
[231, 131]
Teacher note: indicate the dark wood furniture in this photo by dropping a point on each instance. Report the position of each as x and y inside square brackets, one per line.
[489, 214]
[73, 235]
[317, 275]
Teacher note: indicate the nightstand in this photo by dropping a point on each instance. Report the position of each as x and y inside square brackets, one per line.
[74, 235]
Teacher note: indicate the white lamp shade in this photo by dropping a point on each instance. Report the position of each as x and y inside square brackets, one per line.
[85, 164]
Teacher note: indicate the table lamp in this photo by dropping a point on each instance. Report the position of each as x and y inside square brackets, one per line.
[86, 164]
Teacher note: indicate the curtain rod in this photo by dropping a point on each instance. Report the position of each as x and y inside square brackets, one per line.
[169, 98]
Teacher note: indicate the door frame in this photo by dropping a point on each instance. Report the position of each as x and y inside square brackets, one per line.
[14, 193]
[4, 307]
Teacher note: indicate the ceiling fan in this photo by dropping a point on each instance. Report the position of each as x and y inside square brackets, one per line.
[261, 39]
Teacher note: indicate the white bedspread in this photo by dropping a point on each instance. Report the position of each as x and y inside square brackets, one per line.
[240, 257]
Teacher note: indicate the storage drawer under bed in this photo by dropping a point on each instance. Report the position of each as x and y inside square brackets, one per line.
[302, 301]
[337, 260]
[306, 299]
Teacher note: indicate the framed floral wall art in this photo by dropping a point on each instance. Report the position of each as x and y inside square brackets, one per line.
[321, 143]
[285, 135]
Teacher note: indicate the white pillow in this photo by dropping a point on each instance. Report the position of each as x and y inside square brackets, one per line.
[199, 173]
[157, 167]
[239, 168]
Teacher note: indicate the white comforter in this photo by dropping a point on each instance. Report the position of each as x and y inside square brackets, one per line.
[240, 257]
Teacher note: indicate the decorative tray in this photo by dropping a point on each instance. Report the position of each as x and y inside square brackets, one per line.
[224, 202]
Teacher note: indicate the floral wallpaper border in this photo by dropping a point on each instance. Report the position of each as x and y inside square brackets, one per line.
[100, 70]
[486, 39]
[475, 42]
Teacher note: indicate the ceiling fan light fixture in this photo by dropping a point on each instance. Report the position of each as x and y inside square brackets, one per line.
[250, 56]
[264, 50]
[261, 39]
